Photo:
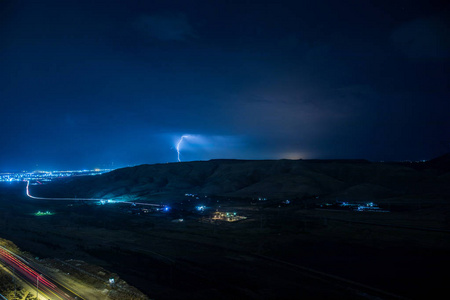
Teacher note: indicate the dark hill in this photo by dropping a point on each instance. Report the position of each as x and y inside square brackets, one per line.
[441, 163]
[352, 179]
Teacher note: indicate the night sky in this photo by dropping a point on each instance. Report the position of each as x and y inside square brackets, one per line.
[100, 84]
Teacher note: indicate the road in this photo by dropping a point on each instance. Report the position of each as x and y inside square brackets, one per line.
[90, 199]
[68, 199]
[47, 288]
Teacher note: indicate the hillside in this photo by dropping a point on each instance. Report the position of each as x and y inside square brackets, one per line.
[403, 252]
[350, 179]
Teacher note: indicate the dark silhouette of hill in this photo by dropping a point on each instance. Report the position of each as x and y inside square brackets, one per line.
[351, 179]
[441, 163]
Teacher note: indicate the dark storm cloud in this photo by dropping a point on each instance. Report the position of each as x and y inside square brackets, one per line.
[424, 38]
[297, 120]
[87, 83]
[167, 26]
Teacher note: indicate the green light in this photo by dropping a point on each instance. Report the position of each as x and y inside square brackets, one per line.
[43, 213]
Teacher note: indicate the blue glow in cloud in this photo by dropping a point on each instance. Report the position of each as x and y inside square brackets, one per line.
[189, 141]
[204, 147]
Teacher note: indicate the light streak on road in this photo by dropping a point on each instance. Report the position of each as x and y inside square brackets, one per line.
[89, 199]
[45, 286]
[63, 199]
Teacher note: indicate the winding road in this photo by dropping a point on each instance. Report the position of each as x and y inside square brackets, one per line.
[88, 199]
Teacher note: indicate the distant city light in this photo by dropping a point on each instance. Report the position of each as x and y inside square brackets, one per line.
[45, 176]
[200, 208]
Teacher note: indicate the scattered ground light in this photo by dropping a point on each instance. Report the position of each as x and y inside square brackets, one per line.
[44, 213]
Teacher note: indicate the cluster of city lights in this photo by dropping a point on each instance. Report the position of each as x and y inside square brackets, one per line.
[47, 175]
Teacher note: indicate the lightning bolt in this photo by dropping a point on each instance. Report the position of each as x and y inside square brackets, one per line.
[179, 144]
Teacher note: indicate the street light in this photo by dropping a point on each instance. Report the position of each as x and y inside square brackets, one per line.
[37, 285]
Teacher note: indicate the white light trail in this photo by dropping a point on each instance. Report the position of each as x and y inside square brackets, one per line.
[90, 199]
[179, 144]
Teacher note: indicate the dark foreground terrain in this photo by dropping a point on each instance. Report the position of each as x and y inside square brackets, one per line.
[283, 250]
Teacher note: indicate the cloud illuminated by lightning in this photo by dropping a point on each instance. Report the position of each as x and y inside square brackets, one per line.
[185, 136]
[203, 147]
